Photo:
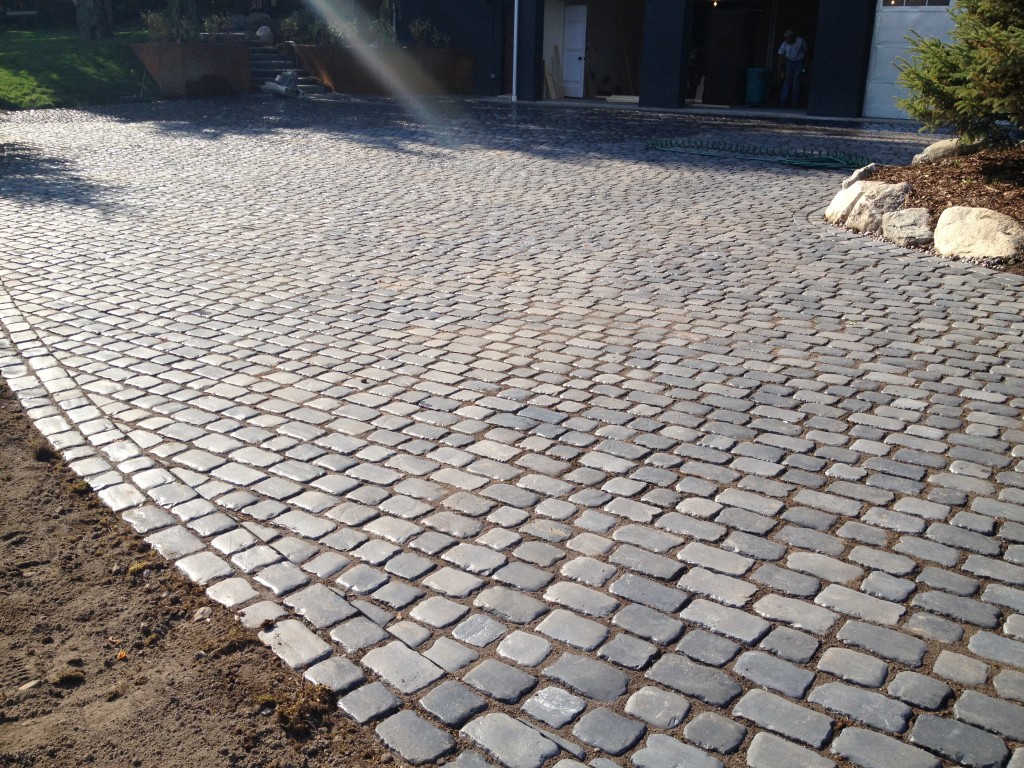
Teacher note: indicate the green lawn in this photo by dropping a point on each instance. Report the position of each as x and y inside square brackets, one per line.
[40, 69]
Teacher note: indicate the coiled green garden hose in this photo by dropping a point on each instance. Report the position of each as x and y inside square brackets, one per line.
[803, 158]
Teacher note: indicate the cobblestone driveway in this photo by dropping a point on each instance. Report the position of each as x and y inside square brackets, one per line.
[560, 448]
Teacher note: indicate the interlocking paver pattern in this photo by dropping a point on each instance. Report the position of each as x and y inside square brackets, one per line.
[570, 451]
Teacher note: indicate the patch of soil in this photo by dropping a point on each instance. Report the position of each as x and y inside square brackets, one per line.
[103, 661]
[990, 178]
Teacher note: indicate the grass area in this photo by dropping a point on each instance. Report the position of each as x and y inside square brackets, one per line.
[41, 69]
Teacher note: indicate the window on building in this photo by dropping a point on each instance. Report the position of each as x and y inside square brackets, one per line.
[913, 3]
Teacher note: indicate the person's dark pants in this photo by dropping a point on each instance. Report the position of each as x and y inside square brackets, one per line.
[791, 85]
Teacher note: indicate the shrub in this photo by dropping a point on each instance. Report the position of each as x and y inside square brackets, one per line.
[426, 35]
[975, 83]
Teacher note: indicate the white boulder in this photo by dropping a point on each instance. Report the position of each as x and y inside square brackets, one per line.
[843, 203]
[860, 175]
[938, 150]
[878, 199]
[979, 234]
[907, 227]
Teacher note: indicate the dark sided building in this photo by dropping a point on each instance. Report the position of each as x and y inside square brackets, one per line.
[668, 53]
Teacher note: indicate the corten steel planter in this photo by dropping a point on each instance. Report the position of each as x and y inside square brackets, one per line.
[379, 71]
[194, 70]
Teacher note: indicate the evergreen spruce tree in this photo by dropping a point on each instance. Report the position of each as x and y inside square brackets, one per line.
[975, 83]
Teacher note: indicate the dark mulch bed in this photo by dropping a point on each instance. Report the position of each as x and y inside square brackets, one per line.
[991, 178]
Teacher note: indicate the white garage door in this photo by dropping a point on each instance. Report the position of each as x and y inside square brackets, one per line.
[894, 20]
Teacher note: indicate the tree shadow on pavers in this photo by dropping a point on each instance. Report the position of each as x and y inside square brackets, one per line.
[562, 134]
[28, 174]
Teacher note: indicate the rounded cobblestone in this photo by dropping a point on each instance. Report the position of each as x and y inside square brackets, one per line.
[361, 371]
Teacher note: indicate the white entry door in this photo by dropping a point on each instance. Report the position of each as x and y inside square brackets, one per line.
[574, 49]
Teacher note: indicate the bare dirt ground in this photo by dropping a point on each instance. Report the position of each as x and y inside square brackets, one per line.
[102, 660]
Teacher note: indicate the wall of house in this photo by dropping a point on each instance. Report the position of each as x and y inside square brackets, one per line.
[474, 25]
[841, 51]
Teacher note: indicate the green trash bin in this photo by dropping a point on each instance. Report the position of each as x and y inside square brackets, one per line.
[758, 81]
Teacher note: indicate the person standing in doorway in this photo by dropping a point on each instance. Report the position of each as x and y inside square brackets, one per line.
[792, 56]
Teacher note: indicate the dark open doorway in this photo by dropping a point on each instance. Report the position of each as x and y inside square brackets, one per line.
[729, 37]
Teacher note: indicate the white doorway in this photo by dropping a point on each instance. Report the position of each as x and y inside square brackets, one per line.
[574, 50]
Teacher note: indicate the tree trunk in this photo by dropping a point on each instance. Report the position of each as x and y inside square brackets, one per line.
[95, 19]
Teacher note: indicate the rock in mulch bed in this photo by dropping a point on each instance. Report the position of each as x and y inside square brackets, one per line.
[966, 204]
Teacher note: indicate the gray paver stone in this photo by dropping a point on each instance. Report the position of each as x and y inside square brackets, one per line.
[368, 703]
[664, 751]
[510, 605]
[450, 655]
[693, 679]
[573, 630]
[175, 542]
[402, 668]
[994, 715]
[868, 749]
[859, 605]
[774, 673]
[659, 708]
[648, 623]
[960, 669]
[357, 633]
[791, 720]
[1001, 650]
[524, 649]
[854, 667]
[204, 567]
[887, 643]
[919, 690]
[730, 622]
[956, 607]
[336, 673]
[637, 589]
[470, 759]
[724, 589]
[963, 744]
[438, 611]
[714, 559]
[628, 651]
[295, 644]
[1010, 684]
[232, 592]
[866, 707]
[500, 681]
[580, 598]
[593, 679]
[452, 703]
[707, 648]
[799, 613]
[478, 630]
[416, 740]
[321, 606]
[608, 731]
[259, 614]
[790, 644]
[554, 706]
[712, 731]
[514, 744]
[768, 751]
